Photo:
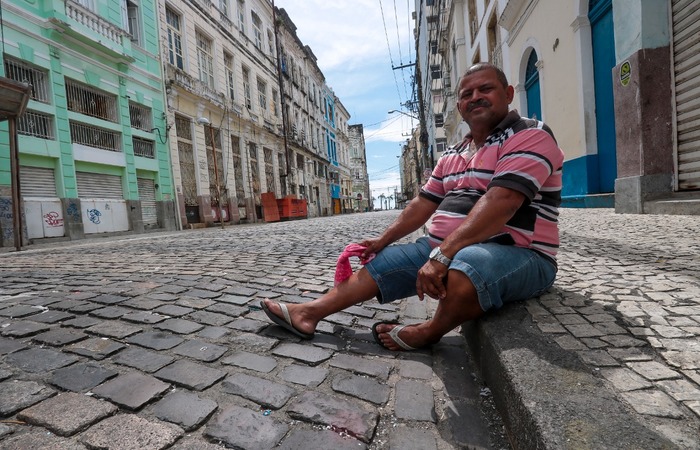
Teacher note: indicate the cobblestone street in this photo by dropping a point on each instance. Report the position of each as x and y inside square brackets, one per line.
[164, 334]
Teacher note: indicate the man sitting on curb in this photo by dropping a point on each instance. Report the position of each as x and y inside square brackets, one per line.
[493, 238]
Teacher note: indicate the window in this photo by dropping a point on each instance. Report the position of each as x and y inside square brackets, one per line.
[205, 60]
[143, 147]
[270, 42]
[275, 103]
[473, 20]
[257, 30]
[262, 95]
[237, 168]
[254, 168]
[230, 79]
[291, 65]
[140, 116]
[435, 72]
[246, 88]
[95, 137]
[89, 4]
[174, 38]
[439, 120]
[269, 170]
[183, 129]
[36, 124]
[92, 102]
[241, 16]
[35, 77]
[131, 20]
[217, 193]
[223, 7]
[440, 144]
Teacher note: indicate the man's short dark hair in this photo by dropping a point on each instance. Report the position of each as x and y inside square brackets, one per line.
[484, 66]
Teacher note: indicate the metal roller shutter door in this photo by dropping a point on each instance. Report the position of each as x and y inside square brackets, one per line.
[96, 185]
[37, 182]
[147, 195]
[685, 17]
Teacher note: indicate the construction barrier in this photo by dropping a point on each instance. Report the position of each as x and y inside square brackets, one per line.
[291, 208]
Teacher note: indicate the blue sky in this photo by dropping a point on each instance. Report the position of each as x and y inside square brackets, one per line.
[350, 41]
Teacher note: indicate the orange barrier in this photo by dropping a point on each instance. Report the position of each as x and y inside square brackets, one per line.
[270, 209]
[291, 207]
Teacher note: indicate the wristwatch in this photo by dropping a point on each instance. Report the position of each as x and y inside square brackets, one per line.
[437, 255]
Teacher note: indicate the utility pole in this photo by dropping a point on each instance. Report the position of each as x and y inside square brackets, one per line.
[280, 83]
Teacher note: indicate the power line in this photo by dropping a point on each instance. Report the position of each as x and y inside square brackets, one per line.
[391, 58]
[398, 42]
[384, 170]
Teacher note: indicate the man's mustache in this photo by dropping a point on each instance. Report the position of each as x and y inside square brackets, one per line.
[477, 104]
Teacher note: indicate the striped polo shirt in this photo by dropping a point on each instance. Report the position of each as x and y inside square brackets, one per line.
[521, 154]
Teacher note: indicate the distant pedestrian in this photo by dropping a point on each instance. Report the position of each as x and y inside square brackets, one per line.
[493, 237]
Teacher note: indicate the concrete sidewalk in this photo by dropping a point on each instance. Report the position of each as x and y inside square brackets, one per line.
[609, 358]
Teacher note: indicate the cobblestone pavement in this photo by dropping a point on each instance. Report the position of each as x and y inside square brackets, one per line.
[163, 333]
[627, 301]
[157, 341]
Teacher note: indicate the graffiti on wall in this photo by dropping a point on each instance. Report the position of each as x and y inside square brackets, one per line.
[72, 212]
[5, 208]
[6, 224]
[53, 219]
[94, 215]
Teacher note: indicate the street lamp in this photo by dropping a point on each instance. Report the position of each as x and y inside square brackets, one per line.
[404, 113]
[205, 121]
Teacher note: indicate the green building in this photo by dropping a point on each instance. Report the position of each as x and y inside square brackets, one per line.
[92, 143]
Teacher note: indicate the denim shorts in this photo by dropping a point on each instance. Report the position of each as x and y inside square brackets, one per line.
[500, 273]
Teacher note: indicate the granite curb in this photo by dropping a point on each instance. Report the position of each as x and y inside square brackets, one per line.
[548, 398]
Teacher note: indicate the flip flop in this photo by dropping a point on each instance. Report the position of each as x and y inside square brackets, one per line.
[393, 334]
[286, 321]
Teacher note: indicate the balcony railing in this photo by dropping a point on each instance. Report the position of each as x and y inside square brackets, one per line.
[143, 147]
[36, 124]
[95, 137]
[94, 22]
[193, 85]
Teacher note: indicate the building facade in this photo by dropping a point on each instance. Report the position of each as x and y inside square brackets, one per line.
[164, 114]
[593, 75]
[93, 141]
[362, 199]
[224, 105]
[307, 112]
[343, 147]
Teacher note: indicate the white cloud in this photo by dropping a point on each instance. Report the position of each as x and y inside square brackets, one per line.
[350, 35]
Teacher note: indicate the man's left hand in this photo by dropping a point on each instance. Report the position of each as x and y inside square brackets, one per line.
[431, 280]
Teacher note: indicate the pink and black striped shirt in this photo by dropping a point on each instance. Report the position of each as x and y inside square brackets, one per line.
[521, 154]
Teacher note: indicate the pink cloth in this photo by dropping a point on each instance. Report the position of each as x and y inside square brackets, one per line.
[343, 270]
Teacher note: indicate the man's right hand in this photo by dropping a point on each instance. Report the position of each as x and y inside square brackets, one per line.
[374, 245]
